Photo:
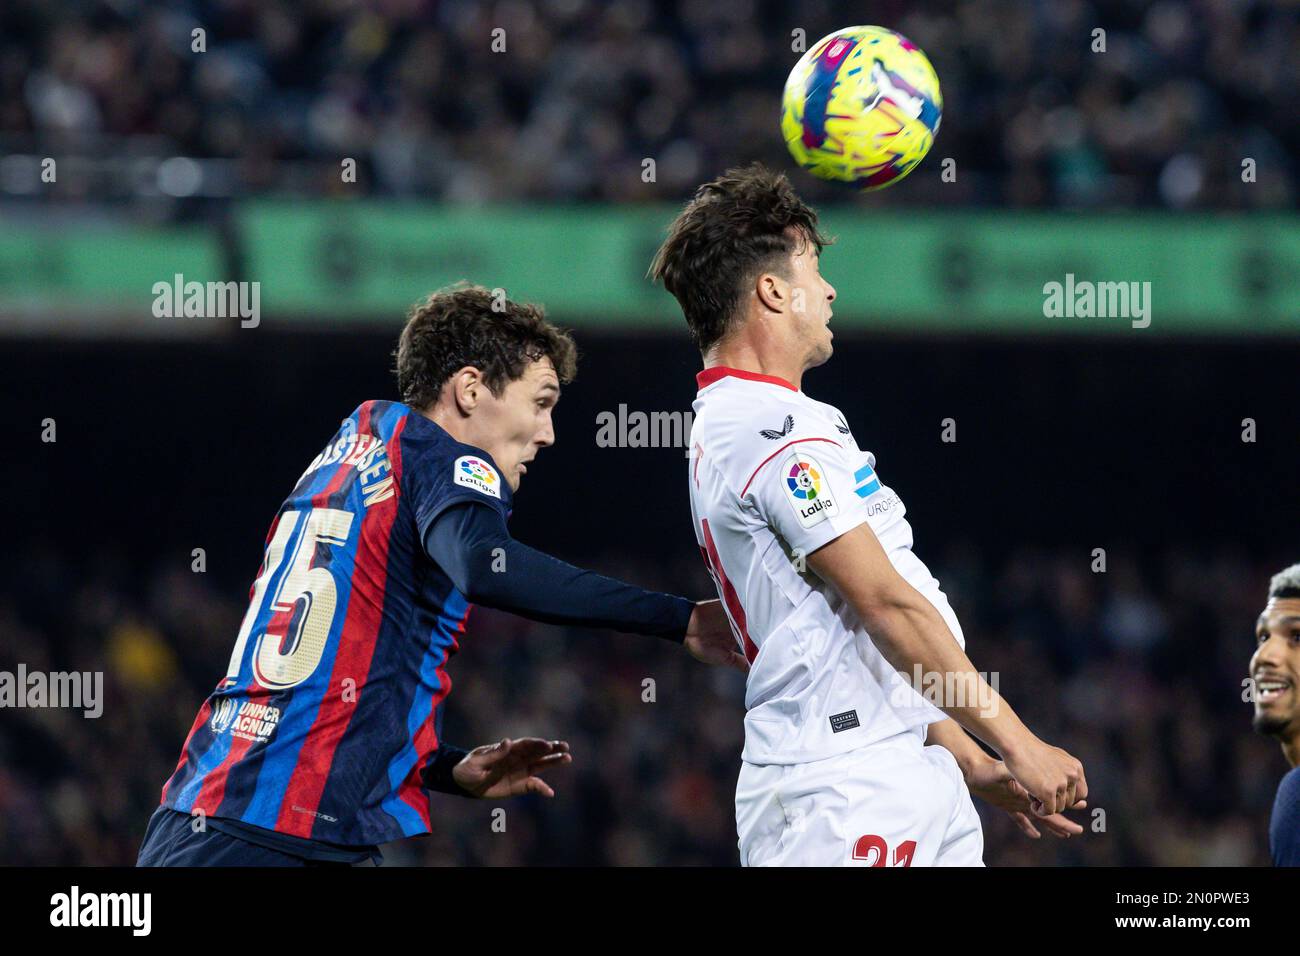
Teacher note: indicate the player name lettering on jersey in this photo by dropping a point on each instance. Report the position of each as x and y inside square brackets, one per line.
[369, 456]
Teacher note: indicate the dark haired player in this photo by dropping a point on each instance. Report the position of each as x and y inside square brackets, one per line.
[1275, 672]
[813, 559]
[324, 737]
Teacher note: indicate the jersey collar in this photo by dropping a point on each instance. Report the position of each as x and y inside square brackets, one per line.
[719, 372]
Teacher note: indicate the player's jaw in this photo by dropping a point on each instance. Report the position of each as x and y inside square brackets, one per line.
[813, 334]
[823, 348]
[812, 315]
[1275, 701]
[517, 424]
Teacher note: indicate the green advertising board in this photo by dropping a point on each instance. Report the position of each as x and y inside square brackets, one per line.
[102, 266]
[963, 272]
[342, 262]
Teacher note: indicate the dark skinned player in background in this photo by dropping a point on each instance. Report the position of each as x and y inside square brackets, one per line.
[1275, 671]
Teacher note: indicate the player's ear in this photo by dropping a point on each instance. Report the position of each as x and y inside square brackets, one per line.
[466, 388]
[773, 292]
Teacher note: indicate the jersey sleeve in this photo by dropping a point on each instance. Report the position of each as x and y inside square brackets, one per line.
[1284, 828]
[467, 543]
[450, 478]
[805, 493]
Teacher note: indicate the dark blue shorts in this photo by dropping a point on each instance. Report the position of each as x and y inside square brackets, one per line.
[170, 840]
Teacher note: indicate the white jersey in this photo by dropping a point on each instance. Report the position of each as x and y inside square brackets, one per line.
[775, 475]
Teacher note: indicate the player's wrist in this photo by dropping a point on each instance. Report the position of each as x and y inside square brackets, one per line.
[462, 778]
[681, 617]
[1015, 745]
[445, 773]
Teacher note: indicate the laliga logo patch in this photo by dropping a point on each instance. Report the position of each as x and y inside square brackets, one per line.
[477, 474]
[807, 489]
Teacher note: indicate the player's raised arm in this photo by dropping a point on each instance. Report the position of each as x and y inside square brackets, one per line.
[909, 632]
[471, 543]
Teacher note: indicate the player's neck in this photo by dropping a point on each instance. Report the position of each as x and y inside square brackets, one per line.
[1291, 750]
[452, 422]
[746, 357]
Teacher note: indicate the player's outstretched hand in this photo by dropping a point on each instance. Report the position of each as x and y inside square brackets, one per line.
[510, 768]
[1053, 779]
[709, 637]
[991, 781]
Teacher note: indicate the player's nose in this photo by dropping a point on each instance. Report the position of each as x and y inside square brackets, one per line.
[1268, 659]
[1266, 656]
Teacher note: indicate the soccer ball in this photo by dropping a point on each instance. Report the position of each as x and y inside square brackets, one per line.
[862, 107]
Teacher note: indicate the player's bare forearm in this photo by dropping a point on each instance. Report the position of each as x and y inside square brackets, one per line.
[910, 633]
[949, 735]
[913, 634]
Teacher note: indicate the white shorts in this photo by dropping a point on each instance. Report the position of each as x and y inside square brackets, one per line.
[891, 803]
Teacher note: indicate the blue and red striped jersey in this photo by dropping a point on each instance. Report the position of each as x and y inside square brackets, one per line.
[332, 701]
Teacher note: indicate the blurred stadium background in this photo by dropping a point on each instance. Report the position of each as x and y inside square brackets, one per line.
[523, 169]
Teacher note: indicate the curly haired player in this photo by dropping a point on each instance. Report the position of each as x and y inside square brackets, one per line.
[324, 739]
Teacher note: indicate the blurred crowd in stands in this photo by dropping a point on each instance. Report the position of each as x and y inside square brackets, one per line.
[1036, 114]
[1137, 671]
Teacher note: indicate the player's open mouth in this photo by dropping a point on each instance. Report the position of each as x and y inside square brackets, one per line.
[1270, 689]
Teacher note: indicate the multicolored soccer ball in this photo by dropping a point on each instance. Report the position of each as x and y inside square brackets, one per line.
[861, 107]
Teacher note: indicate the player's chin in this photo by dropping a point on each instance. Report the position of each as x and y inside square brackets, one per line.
[824, 351]
[1272, 720]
